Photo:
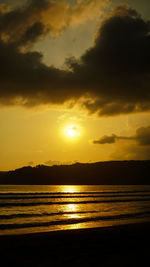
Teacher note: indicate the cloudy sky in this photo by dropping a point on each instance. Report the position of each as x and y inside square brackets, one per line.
[74, 81]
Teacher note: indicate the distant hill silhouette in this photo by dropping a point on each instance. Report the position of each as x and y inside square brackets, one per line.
[99, 173]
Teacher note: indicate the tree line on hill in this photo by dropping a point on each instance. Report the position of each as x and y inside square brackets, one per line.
[99, 173]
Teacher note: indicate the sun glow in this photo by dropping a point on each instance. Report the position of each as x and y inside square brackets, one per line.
[72, 131]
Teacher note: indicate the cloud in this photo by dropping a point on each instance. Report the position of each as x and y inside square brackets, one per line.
[30, 163]
[142, 137]
[111, 78]
[135, 147]
[116, 70]
[105, 140]
[52, 162]
[56, 162]
[131, 152]
[25, 24]
[4, 8]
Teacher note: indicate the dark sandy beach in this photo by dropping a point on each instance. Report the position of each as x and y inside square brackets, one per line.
[126, 245]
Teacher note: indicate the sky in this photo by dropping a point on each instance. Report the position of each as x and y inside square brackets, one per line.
[74, 81]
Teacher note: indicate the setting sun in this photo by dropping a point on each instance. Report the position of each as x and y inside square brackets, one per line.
[72, 131]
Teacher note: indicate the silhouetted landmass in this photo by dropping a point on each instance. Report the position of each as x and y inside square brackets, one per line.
[100, 173]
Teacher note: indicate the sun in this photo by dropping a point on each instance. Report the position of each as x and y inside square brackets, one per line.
[72, 131]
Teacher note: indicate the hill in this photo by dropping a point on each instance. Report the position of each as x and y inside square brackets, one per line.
[99, 173]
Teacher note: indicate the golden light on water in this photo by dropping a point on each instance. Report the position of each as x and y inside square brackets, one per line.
[71, 207]
[69, 189]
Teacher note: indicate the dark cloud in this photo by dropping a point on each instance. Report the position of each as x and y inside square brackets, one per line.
[138, 148]
[111, 139]
[105, 140]
[142, 137]
[117, 68]
[32, 20]
[112, 77]
[17, 24]
[25, 80]
[13, 3]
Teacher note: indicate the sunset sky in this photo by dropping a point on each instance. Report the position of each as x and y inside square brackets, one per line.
[74, 81]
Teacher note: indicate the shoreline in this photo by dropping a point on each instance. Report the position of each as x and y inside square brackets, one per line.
[120, 245]
[82, 231]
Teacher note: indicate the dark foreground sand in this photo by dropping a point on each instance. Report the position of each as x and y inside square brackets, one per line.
[126, 245]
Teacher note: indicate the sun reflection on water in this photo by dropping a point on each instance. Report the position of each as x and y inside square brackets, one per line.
[70, 189]
[72, 208]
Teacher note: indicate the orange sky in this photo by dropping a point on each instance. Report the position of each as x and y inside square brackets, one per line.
[40, 100]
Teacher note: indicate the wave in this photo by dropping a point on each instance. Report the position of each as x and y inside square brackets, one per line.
[72, 202]
[31, 215]
[74, 221]
[72, 196]
[74, 193]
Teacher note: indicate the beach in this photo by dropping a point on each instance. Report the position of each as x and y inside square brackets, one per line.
[123, 245]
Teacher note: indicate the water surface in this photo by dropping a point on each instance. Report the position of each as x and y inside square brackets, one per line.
[39, 208]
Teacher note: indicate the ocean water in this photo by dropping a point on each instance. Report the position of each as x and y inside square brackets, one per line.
[40, 208]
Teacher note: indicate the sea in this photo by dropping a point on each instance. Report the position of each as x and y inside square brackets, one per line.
[42, 208]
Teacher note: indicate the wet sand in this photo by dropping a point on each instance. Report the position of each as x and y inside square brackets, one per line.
[125, 245]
